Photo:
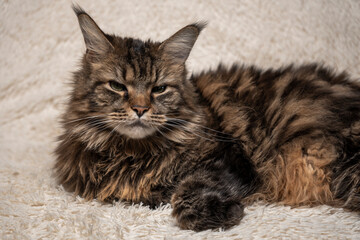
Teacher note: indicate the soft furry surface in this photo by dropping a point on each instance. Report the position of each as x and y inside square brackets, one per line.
[41, 43]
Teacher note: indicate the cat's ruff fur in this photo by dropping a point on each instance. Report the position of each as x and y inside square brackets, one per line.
[37, 200]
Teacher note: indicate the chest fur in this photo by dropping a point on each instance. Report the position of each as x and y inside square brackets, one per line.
[132, 179]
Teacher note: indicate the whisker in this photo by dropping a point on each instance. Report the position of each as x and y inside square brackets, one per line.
[93, 122]
[157, 117]
[214, 135]
[118, 115]
[113, 114]
[171, 130]
[119, 111]
[200, 134]
[85, 118]
[174, 112]
[120, 119]
[189, 131]
[114, 129]
[176, 120]
[159, 130]
[156, 122]
[100, 124]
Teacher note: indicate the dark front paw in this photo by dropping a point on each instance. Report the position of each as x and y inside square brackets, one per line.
[201, 210]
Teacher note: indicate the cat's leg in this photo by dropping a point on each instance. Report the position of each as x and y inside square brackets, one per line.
[208, 200]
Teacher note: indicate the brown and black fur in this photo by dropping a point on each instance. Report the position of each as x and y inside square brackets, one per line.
[136, 129]
[300, 126]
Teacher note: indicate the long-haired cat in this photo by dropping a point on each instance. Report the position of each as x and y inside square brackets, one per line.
[137, 129]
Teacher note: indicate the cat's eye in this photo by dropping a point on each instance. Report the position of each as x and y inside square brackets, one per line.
[159, 89]
[117, 86]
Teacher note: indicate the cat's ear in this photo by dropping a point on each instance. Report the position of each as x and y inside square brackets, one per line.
[176, 49]
[95, 39]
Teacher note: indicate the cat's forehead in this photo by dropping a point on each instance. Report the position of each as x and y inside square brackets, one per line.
[138, 46]
[136, 59]
[133, 48]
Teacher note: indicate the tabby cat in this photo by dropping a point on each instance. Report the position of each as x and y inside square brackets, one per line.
[137, 129]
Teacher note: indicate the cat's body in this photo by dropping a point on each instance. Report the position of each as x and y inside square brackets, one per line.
[137, 130]
[296, 124]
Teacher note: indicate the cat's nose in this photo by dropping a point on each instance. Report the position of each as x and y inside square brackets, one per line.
[140, 110]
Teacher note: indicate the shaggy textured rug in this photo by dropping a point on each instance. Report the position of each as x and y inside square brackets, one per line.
[41, 43]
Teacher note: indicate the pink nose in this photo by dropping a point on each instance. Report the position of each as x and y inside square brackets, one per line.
[140, 110]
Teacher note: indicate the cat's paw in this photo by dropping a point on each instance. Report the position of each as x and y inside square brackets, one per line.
[200, 210]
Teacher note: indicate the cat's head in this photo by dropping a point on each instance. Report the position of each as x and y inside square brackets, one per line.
[131, 87]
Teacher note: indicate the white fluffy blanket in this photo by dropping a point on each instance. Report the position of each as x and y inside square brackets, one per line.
[41, 43]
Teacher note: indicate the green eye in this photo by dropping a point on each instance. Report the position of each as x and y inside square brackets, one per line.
[117, 86]
[159, 89]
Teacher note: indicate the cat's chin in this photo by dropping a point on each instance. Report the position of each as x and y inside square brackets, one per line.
[137, 131]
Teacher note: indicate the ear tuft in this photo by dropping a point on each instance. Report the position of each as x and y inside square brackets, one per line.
[77, 9]
[177, 48]
[200, 25]
[95, 39]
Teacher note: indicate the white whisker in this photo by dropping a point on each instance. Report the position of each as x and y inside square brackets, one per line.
[189, 131]
[85, 118]
[185, 121]
[217, 135]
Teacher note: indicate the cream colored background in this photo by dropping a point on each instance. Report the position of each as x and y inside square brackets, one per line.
[40, 44]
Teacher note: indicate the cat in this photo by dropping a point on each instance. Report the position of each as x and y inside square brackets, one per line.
[137, 129]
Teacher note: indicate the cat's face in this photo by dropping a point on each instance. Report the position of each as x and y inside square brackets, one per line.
[132, 87]
[137, 90]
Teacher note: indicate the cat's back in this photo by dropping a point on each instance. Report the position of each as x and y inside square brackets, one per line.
[282, 104]
[304, 81]
[288, 88]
